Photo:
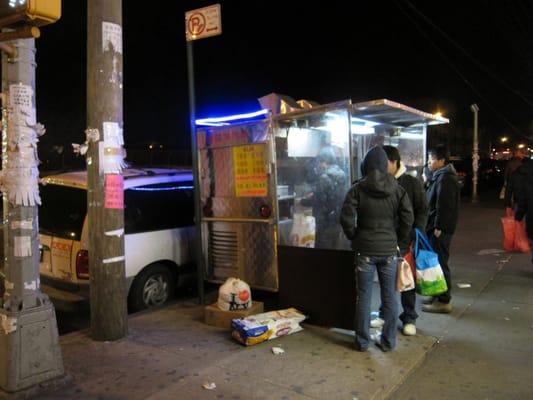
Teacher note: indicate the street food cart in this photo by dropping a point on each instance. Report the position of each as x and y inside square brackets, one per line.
[267, 216]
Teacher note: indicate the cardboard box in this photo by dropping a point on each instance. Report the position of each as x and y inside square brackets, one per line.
[216, 317]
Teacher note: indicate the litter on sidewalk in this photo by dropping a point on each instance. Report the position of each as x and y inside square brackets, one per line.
[485, 252]
[277, 350]
[209, 385]
[266, 326]
[464, 285]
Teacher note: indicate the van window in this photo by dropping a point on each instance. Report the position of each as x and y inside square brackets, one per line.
[62, 211]
[157, 207]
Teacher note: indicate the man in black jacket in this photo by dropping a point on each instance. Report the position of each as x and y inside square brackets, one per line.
[515, 184]
[376, 216]
[524, 198]
[443, 195]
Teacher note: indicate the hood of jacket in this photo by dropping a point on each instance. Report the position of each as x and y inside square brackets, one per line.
[447, 169]
[375, 159]
[378, 184]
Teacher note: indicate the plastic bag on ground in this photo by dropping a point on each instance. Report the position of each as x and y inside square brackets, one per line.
[234, 294]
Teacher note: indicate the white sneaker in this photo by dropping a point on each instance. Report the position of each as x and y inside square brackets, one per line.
[409, 329]
[377, 323]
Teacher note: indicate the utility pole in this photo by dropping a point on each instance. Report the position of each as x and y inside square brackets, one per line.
[29, 345]
[105, 184]
[475, 154]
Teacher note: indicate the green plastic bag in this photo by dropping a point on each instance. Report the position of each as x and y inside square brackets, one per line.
[430, 279]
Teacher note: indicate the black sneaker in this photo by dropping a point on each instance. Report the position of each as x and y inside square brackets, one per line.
[438, 307]
[360, 349]
[382, 347]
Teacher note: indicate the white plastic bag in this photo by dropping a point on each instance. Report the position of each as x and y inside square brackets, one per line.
[303, 231]
[234, 294]
[405, 280]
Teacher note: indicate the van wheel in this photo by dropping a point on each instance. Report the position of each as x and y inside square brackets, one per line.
[151, 288]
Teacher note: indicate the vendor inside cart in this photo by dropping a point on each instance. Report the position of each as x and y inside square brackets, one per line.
[313, 166]
[326, 180]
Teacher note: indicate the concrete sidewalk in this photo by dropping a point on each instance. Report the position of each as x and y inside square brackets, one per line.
[483, 352]
[171, 353]
[486, 345]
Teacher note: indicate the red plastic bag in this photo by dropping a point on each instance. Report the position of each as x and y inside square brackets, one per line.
[410, 258]
[509, 233]
[521, 241]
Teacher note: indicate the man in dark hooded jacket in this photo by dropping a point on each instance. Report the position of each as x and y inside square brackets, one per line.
[376, 216]
[443, 195]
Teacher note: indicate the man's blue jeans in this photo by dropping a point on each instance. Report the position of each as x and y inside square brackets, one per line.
[387, 268]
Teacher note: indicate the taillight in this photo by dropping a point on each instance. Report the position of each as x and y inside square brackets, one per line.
[82, 264]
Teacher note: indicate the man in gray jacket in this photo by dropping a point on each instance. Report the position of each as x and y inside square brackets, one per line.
[376, 216]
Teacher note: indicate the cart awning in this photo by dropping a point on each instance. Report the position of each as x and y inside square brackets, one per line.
[389, 112]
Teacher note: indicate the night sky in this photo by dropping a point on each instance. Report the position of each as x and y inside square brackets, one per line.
[323, 51]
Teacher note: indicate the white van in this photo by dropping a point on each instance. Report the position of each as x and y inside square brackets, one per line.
[158, 222]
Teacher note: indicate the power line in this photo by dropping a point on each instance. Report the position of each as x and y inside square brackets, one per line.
[468, 55]
[457, 71]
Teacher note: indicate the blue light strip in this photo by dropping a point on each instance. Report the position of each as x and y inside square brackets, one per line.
[221, 120]
[161, 189]
[212, 123]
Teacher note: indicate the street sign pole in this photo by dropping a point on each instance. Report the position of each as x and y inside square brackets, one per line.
[200, 23]
[196, 179]
[29, 341]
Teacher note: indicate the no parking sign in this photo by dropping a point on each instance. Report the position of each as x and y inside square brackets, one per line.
[203, 22]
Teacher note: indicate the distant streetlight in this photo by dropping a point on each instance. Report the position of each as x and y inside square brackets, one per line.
[438, 114]
[504, 139]
[521, 146]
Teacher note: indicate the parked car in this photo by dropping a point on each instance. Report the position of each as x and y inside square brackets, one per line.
[158, 222]
[490, 174]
